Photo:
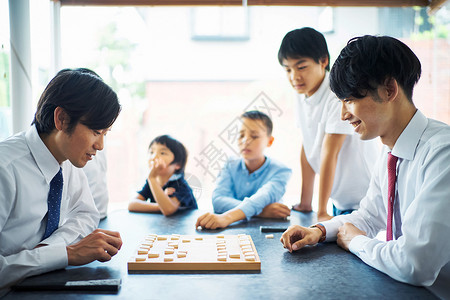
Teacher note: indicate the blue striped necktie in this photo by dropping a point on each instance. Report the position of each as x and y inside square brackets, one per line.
[54, 204]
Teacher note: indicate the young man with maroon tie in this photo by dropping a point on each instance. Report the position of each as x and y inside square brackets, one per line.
[409, 194]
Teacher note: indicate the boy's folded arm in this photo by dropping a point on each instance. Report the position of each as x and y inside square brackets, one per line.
[139, 205]
[234, 215]
[223, 195]
[270, 192]
[223, 204]
[167, 205]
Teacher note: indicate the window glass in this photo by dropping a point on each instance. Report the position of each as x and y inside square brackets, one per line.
[190, 72]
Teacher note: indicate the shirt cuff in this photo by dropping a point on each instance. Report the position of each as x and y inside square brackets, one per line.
[357, 244]
[53, 257]
[332, 229]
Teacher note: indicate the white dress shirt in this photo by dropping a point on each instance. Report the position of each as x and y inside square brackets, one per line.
[95, 171]
[422, 247]
[26, 169]
[320, 114]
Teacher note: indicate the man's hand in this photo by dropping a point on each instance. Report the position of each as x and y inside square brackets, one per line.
[321, 217]
[296, 237]
[275, 210]
[212, 221]
[100, 245]
[346, 234]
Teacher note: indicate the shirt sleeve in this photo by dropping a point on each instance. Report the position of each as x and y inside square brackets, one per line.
[81, 216]
[419, 254]
[25, 263]
[7, 195]
[223, 198]
[371, 215]
[145, 191]
[269, 192]
[183, 193]
[423, 249]
[32, 262]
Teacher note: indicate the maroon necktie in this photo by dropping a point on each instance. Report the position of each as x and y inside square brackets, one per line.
[392, 176]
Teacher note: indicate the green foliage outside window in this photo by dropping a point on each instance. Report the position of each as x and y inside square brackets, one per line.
[437, 30]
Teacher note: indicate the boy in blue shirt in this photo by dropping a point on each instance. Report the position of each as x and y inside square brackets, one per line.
[250, 185]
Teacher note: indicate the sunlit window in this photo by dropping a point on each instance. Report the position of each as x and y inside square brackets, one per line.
[190, 72]
[5, 102]
[220, 23]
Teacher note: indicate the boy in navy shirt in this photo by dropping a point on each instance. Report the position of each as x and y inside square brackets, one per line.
[165, 186]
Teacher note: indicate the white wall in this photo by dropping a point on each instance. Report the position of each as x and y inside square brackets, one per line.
[172, 55]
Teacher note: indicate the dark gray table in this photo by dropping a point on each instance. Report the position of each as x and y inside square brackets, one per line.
[323, 271]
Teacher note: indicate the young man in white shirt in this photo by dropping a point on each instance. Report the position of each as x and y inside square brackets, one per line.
[38, 233]
[374, 78]
[329, 146]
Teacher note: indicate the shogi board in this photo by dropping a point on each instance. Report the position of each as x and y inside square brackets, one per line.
[202, 252]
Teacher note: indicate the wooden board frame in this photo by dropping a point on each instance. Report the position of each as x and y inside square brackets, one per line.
[209, 264]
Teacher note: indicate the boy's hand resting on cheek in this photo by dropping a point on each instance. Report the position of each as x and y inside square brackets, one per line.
[156, 166]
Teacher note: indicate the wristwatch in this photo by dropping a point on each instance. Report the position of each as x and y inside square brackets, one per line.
[324, 231]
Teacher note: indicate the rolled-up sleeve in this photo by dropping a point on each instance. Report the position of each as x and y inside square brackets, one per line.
[272, 191]
[250, 192]
[223, 198]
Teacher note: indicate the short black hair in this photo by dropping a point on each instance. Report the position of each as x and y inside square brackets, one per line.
[367, 61]
[304, 42]
[179, 151]
[257, 115]
[83, 95]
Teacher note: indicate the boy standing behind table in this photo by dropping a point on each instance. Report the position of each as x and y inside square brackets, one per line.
[329, 148]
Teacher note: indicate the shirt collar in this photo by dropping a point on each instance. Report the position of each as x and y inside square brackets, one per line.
[318, 95]
[175, 177]
[44, 159]
[261, 169]
[406, 144]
